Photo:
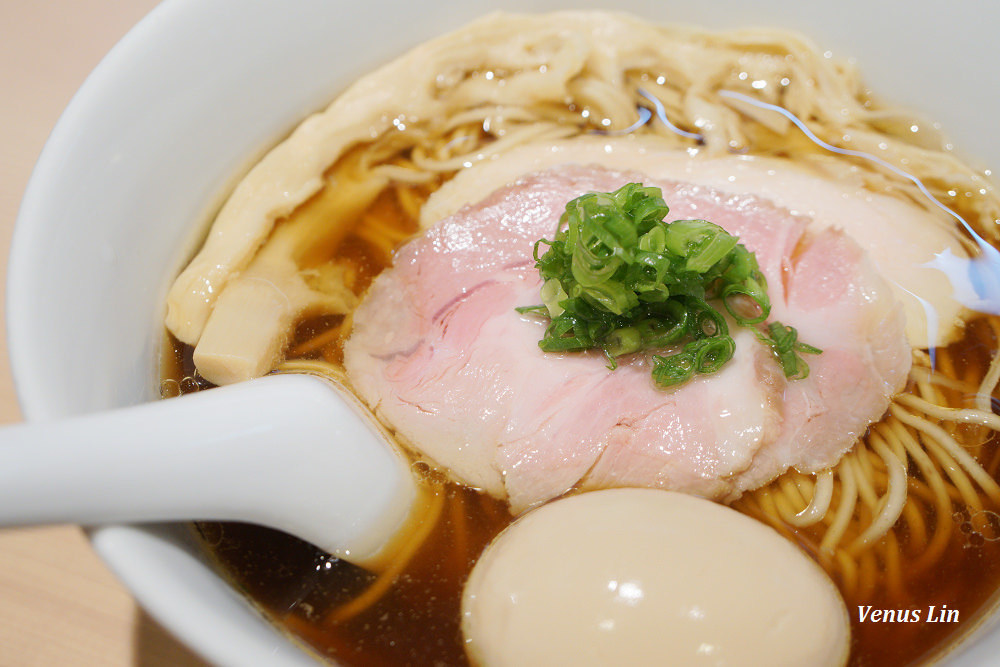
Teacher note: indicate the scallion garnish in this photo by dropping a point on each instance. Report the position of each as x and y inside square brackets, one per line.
[620, 279]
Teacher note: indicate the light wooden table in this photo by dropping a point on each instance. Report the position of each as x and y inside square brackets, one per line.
[59, 605]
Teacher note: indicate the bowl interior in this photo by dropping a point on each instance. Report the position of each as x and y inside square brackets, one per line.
[198, 90]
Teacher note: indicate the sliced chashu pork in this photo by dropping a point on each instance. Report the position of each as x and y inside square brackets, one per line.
[441, 355]
[905, 242]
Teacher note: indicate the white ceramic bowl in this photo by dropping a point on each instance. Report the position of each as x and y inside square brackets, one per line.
[181, 107]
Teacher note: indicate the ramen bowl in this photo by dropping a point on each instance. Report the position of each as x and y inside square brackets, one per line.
[199, 90]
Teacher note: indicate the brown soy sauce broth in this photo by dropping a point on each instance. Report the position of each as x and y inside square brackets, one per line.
[416, 623]
[954, 594]
[938, 606]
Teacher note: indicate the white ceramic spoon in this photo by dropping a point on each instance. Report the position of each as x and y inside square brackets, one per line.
[291, 452]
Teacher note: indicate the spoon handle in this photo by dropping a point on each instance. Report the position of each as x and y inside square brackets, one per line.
[286, 451]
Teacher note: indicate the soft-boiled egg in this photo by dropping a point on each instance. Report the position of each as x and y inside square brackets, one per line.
[646, 577]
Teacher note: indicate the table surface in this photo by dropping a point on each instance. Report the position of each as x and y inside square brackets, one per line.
[59, 604]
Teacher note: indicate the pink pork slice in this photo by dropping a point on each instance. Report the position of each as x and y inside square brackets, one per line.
[440, 354]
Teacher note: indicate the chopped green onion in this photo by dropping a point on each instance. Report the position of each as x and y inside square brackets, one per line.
[620, 279]
[784, 341]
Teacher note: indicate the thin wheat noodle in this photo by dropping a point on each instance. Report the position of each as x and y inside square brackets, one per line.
[787, 506]
[377, 590]
[769, 507]
[848, 570]
[318, 341]
[928, 377]
[942, 501]
[531, 133]
[892, 557]
[868, 576]
[962, 415]
[845, 509]
[459, 523]
[892, 502]
[916, 526]
[948, 443]
[862, 477]
[403, 174]
[984, 397]
[791, 487]
[819, 504]
[959, 480]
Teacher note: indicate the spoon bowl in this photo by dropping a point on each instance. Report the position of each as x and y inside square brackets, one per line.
[289, 451]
